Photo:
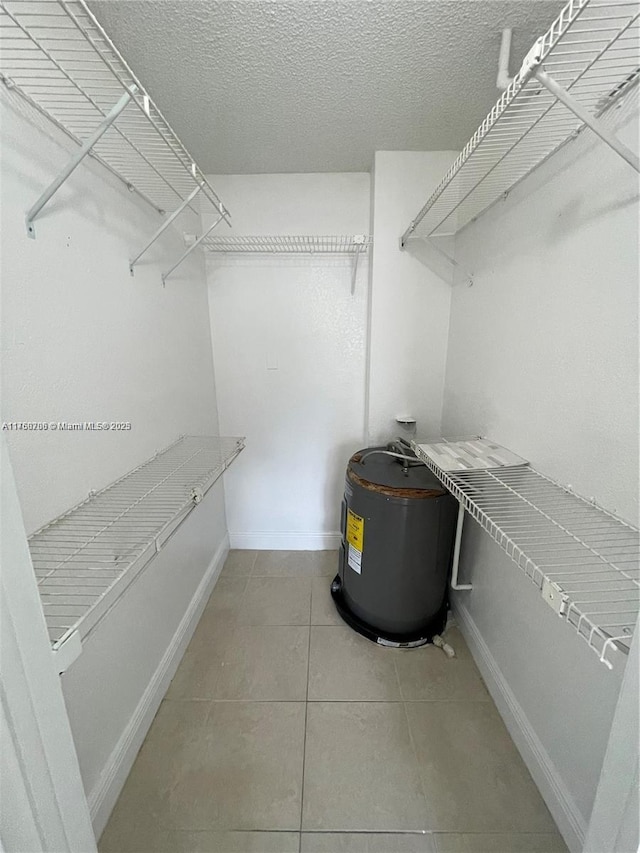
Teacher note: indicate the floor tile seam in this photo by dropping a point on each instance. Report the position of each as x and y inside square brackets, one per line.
[418, 832]
[334, 701]
[499, 832]
[385, 701]
[304, 739]
[274, 625]
[225, 829]
[416, 757]
[245, 701]
[434, 839]
[398, 681]
[310, 611]
[236, 619]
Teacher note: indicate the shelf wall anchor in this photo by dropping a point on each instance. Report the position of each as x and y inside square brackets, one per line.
[595, 124]
[77, 158]
[191, 248]
[167, 222]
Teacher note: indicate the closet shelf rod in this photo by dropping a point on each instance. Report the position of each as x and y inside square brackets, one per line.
[77, 158]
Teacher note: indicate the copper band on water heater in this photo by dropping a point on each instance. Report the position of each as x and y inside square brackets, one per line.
[390, 491]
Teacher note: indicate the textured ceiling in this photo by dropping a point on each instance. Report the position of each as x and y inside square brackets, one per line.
[313, 86]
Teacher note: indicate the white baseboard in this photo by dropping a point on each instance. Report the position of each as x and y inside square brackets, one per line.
[285, 541]
[561, 804]
[104, 794]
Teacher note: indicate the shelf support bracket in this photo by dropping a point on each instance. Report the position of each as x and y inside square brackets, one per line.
[77, 158]
[456, 552]
[193, 246]
[595, 124]
[68, 651]
[451, 261]
[167, 222]
[360, 243]
[354, 272]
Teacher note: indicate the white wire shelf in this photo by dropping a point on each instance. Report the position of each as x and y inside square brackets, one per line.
[584, 560]
[290, 244]
[592, 52]
[58, 57]
[85, 559]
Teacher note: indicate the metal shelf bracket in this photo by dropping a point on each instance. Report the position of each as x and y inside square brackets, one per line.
[67, 652]
[361, 242]
[193, 246]
[554, 596]
[595, 124]
[453, 264]
[456, 552]
[167, 222]
[77, 158]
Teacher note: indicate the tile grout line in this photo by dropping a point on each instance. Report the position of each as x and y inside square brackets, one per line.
[434, 843]
[209, 701]
[415, 752]
[234, 627]
[253, 565]
[306, 713]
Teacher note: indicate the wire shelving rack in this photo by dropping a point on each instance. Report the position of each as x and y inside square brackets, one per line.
[290, 244]
[86, 558]
[352, 246]
[57, 56]
[586, 62]
[584, 560]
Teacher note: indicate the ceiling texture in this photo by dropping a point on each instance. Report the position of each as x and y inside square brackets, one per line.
[319, 85]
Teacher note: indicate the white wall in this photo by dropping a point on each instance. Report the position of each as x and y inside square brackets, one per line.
[615, 817]
[543, 358]
[82, 340]
[297, 316]
[543, 352]
[410, 300]
[289, 353]
[42, 806]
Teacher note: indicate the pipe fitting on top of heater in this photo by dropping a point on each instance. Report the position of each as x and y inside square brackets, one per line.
[389, 453]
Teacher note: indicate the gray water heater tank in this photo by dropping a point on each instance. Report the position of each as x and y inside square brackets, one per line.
[398, 525]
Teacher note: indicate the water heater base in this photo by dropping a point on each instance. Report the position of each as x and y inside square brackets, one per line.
[403, 641]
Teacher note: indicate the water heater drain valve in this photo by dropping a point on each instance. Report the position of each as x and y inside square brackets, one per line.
[440, 643]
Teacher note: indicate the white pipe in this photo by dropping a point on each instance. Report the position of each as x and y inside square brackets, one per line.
[440, 643]
[456, 553]
[503, 81]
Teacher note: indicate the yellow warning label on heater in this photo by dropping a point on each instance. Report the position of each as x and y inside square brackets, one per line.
[355, 530]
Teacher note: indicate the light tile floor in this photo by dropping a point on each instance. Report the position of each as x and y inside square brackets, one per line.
[284, 731]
